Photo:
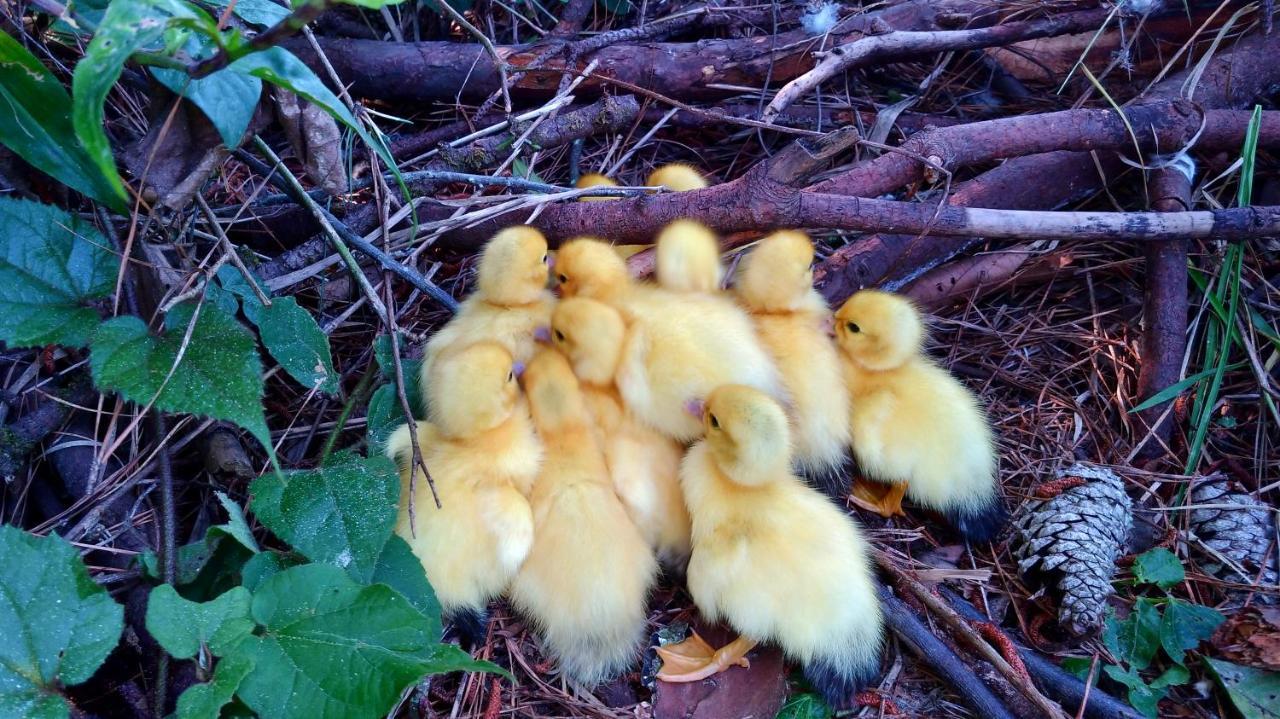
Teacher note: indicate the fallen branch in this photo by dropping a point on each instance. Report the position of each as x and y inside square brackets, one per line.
[945, 662]
[1158, 128]
[1067, 689]
[886, 45]
[1164, 313]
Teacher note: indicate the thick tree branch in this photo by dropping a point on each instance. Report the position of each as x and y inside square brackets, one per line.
[898, 45]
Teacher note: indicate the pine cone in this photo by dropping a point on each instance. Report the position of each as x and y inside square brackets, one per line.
[1069, 542]
[1242, 533]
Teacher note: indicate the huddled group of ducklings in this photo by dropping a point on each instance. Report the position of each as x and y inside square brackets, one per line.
[579, 443]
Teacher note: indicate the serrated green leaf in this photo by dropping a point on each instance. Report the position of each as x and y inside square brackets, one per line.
[263, 566]
[1254, 692]
[331, 647]
[1184, 626]
[1160, 567]
[280, 67]
[258, 12]
[182, 627]
[205, 701]
[36, 124]
[127, 27]
[401, 570]
[227, 98]
[804, 706]
[1135, 639]
[340, 514]
[52, 265]
[220, 375]
[237, 527]
[294, 339]
[57, 625]
[1142, 696]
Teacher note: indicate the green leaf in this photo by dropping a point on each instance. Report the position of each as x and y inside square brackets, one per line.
[1185, 625]
[1160, 567]
[280, 67]
[1078, 667]
[1172, 676]
[459, 5]
[292, 336]
[237, 527]
[331, 647]
[227, 98]
[220, 375]
[617, 7]
[127, 27]
[57, 625]
[1254, 692]
[182, 627]
[339, 514]
[1135, 639]
[36, 124]
[372, 4]
[52, 265]
[804, 706]
[258, 12]
[401, 570]
[205, 701]
[1142, 696]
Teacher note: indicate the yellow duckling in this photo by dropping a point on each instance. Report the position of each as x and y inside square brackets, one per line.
[511, 299]
[644, 465]
[775, 284]
[483, 456]
[677, 177]
[688, 258]
[772, 557]
[595, 179]
[586, 580]
[679, 346]
[914, 426]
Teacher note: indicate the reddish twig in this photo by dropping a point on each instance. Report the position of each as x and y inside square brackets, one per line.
[1051, 489]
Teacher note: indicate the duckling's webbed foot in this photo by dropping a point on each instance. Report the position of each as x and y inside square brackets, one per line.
[694, 660]
[883, 498]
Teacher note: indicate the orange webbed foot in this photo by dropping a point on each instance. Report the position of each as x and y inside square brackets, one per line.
[693, 659]
[883, 498]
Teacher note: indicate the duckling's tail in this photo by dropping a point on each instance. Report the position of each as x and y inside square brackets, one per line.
[472, 625]
[981, 523]
[840, 680]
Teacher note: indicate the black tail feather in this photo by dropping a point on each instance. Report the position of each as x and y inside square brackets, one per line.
[832, 480]
[837, 684]
[472, 625]
[982, 524]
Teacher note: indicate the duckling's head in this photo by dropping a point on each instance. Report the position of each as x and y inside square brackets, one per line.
[678, 177]
[595, 179]
[747, 434]
[776, 275]
[590, 335]
[513, 266]
[555, 399]
[588, 267]
[689, 257]
[472, 389]
[879, 330]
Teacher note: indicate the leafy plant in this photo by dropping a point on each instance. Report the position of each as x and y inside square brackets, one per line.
[804, 706]
[343, 634]
[56, 625]
[1156, 624]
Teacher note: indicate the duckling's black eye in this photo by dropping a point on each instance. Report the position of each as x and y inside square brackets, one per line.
[511, 376]
[561, 278]
[852, 327]
[544, 258]
[715, 423]
[559, 336]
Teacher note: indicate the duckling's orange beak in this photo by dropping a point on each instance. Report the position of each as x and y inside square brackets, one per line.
[696, 408]
[542, 333]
